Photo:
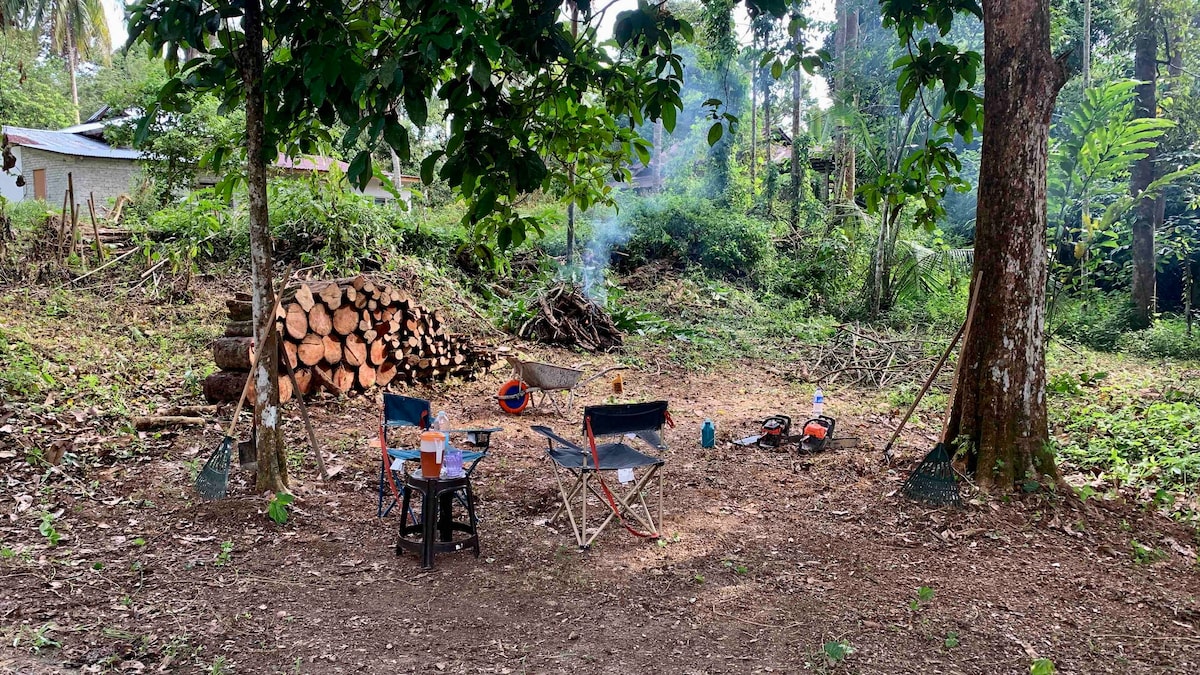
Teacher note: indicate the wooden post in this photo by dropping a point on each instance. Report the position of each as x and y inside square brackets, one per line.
[95, 228]
[74, 214]
[62, 225]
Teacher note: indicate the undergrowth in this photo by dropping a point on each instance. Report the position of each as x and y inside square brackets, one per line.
[1126, 424]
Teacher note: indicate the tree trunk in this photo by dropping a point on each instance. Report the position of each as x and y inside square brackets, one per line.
[755, 75]
[1146, 215]
[849, 152]
[272, 466]
[999, 415]
[767, 135]
[72, 66]
[796, 169]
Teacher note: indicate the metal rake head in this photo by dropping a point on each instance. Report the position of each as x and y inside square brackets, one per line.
[213, 480]
[933, 481]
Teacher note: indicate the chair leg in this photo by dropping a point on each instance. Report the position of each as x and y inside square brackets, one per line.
[571, 495]
[445, 509]
[623, 507]
[562, 492]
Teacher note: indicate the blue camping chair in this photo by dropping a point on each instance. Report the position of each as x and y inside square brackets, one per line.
[405, 411]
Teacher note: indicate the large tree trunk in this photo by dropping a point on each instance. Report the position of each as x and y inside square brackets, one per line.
[1146, 215]
[999, 416]
[272, 465]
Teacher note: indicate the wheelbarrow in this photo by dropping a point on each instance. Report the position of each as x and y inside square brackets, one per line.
[531, 377]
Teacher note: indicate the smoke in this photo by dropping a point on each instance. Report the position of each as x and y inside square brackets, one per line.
[607, 234]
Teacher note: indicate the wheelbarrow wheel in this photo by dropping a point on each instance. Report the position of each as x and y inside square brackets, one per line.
[513, 398]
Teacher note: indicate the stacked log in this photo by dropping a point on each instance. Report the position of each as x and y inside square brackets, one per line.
[343, 336]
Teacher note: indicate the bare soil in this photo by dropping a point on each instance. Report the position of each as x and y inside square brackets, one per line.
[768, 557]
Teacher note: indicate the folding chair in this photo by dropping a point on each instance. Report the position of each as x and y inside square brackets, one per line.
[404, 411]
[636, 420]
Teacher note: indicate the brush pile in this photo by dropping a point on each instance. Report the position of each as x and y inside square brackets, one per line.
[870, 358]
[346, 335]
[566, 316]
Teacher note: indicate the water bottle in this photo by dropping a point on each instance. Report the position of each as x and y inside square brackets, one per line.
[441, 424]
[818, 403]
[708, 434]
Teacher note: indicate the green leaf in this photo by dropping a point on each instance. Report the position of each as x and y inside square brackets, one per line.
[277, 509]
[1042, 667]
[427, 166]
[715, 132]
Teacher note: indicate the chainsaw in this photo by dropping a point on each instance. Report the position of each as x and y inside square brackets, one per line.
[816, 434]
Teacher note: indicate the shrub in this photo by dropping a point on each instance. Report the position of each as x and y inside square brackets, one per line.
[1167, 338]
[1099, 325]
[316, 222]
[682, 232]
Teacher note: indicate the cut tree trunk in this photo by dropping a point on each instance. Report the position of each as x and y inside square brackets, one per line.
[296, 322]
[1146, 215]
[999, 416]
[233, 353]
[319, 321]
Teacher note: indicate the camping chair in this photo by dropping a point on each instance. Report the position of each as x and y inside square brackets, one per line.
[641, 420]
[404, 411]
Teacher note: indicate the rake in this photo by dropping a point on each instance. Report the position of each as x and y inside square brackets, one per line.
[933, 481]
[213, 480]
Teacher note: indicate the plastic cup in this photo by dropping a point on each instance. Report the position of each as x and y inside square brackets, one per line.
[453, 463]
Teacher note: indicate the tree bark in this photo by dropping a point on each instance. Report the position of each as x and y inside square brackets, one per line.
[272, 466]
[999, 414]
[1146, 215]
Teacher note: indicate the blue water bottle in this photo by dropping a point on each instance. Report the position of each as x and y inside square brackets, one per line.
[708, 434]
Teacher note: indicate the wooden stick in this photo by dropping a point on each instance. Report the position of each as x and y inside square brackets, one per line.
[74, 213]
[312, 436]
[937, 368]
[95, 228]
[254, 357]
[62, 225]
[153, 422]
[110, 263]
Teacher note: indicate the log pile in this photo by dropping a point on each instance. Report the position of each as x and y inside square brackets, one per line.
[345, 335]
[565, 316]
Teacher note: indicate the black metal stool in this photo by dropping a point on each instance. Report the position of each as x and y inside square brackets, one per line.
[435, 532]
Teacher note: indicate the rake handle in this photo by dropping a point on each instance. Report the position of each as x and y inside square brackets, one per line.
[262, 330]
[937, 368]
[958, 363]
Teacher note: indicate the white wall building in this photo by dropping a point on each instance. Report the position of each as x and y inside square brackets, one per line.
[45, 160]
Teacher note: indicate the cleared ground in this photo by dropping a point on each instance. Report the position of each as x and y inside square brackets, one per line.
[770, 556]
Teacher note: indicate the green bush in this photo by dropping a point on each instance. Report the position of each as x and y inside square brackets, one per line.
[1167, 338]
[1098, 326]
[1136, 442]
[695, 232]
[316, 222]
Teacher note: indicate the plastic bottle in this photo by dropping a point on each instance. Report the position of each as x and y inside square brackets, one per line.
[441, 423]
[708, 434]
[818, 403]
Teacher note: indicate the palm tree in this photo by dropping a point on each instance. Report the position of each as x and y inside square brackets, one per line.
[77, 29]
[11, 12]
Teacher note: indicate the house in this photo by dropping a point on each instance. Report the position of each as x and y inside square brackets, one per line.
[47, 160]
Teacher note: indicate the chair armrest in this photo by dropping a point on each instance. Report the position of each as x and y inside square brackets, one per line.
[555, 438]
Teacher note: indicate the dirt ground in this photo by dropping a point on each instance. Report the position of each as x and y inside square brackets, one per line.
[769, 557]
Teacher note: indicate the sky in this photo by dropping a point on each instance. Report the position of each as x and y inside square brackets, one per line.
[818, 10]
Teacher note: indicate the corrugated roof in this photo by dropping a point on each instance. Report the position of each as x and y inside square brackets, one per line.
[63, 143]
